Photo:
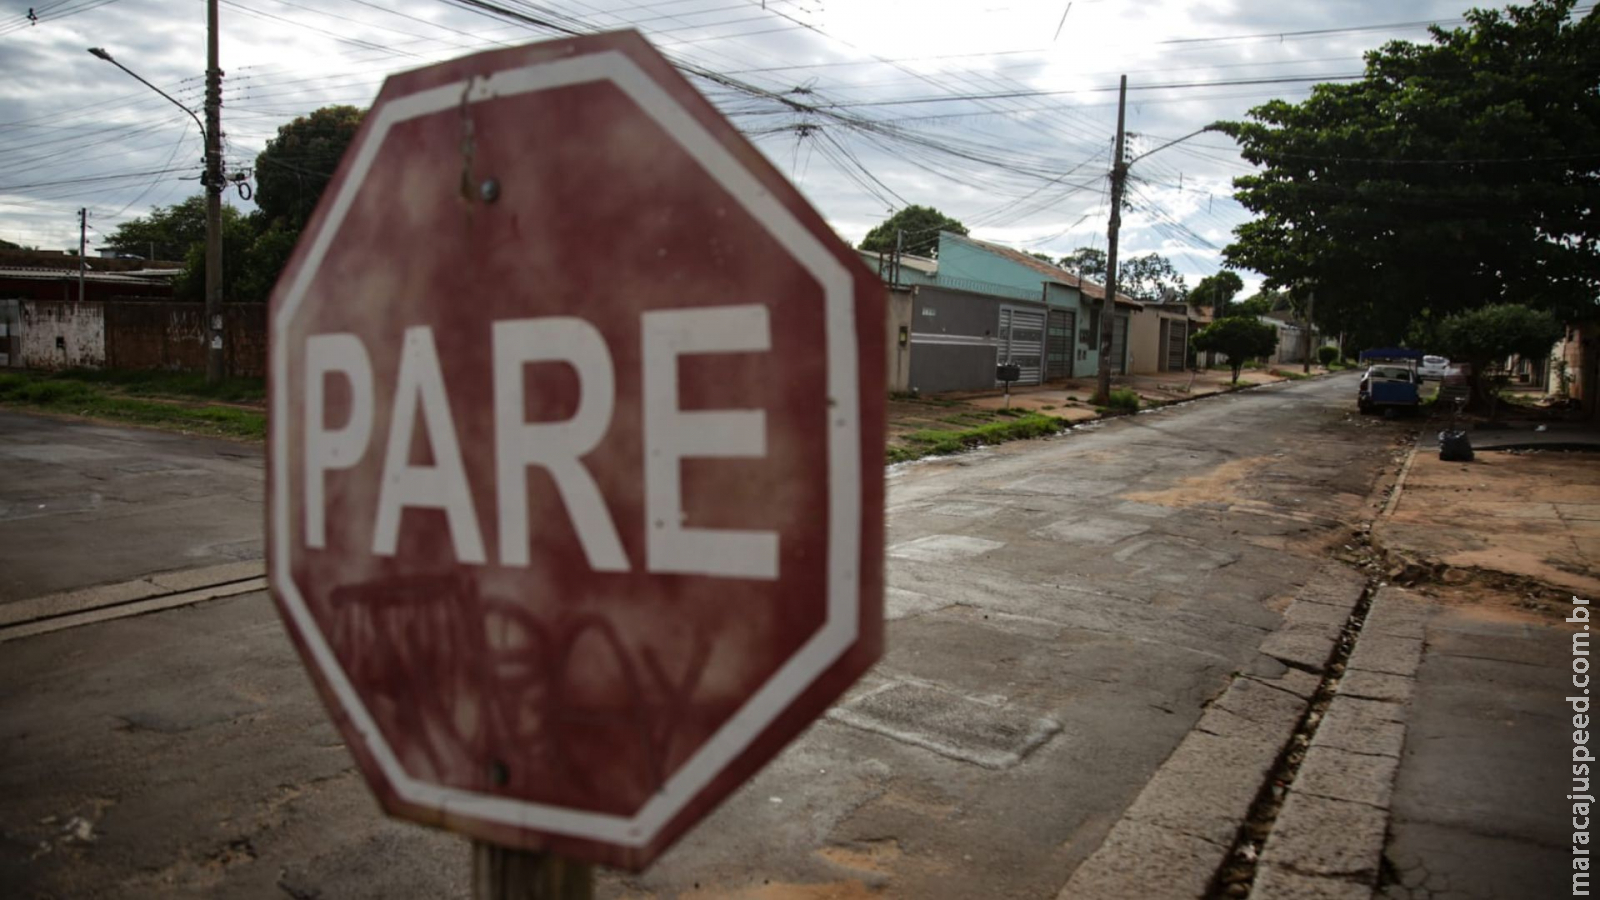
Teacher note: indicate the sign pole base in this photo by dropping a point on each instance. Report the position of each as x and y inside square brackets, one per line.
[501, 873]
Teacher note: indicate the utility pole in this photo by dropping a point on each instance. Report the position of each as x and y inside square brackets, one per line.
[214, 186]
[83, 240]
[899, 246]
[1108, 312]
[1311, 305]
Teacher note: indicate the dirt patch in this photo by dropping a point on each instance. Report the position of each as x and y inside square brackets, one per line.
[1223, 484]
[875, 856]
[832, 890]
[1527, 516]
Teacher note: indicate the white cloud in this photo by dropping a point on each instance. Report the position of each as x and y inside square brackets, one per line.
[65, 116]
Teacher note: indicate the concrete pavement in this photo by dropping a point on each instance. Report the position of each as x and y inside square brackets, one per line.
[84, 504]
[1064, 612]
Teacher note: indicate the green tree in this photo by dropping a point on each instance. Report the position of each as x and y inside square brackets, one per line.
[296, 166]
[1258, 304]
[262, 262]
[1086, 262]
[1215, 292]
[238, 233]
[1457, 173]
[1148, 278]
[170, 230]
[916, 227]
[1238, 338]
[1491, 334]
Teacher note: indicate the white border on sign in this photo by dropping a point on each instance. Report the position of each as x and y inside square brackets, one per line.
[844, 468]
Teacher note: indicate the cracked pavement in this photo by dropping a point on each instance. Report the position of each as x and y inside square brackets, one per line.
[1062, 612]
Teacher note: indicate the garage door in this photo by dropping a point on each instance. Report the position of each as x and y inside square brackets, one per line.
[1022, 342]
[1177, 345]
[1119, 343]
[1059, 344]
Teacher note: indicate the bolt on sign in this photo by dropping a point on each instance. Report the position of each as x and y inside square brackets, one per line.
[576, 461]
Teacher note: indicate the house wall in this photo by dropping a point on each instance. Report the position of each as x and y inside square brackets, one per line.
[10, 334]
[1146, 352]
[964, 265]
[899, 369]
[62, 334]
[953, 341]
[129, 334]
[171, 336]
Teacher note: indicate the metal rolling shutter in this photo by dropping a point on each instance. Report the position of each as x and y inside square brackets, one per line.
[1177, 345]
[1060, 343]
[1022, 342]
[1119, 343]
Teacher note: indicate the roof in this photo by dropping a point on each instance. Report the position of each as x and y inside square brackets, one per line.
[920, 263]
[39, 273]
[1051, 272]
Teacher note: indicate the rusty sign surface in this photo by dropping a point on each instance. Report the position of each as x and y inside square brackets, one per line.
[576, 460]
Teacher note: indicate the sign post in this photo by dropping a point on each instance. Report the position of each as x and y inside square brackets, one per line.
[576, 457]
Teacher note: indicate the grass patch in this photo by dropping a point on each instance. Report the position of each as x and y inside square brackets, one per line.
[1123, 400]
[188, 385]
[1286, 373]
[1009, 412]
[93, 397]
[933, 442]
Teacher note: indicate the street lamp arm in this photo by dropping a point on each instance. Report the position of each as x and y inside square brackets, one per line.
[102, 54]
[1214, 126]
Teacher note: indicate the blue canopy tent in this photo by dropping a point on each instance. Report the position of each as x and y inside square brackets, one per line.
[1390, 353]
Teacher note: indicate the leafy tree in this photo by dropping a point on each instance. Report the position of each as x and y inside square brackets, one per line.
[7, 245]
[262, 262]
[1042, 257]
[1258, 304]
[171, 230]
[296, 166]
[1215, 292]
[1238, 338]
[238, 232]
[1087, 262]
[1457, 173]
[1148, 278]
[917, 227]
[1490, 334]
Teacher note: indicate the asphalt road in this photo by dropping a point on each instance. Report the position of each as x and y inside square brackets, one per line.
[1063, 610]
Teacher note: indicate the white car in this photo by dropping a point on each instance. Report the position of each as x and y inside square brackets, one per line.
[1433, 367]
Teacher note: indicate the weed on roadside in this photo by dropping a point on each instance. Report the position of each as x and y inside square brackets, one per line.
[89, 397]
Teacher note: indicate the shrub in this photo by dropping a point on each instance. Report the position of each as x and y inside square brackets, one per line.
[1240, 339]
[1327, 355]
[1123, 400]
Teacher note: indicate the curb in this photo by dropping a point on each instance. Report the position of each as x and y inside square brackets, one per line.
[1179, 832]
[1328, 840]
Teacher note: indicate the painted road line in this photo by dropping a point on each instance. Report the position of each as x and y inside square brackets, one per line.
[130, 608]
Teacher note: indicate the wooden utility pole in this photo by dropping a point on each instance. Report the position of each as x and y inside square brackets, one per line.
[214, 186]
[501, 873]
[83, 241]
[1108, 311]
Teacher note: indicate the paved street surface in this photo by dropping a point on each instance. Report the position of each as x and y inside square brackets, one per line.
[1480, 791]
[1064, 611]
[84, 504]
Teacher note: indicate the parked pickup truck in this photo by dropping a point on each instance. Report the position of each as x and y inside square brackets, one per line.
[1388, 387]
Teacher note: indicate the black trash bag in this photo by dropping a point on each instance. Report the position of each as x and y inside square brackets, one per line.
[1455, 446]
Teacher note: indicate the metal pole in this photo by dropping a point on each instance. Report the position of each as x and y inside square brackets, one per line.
[83, 240]
[214, 184]
[501, 873]
[1119, 173]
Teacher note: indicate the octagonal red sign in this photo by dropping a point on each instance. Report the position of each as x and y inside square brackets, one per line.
[576, 461]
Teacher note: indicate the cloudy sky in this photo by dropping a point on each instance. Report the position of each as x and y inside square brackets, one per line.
[998, 112]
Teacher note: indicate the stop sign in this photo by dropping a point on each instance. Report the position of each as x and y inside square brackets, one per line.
[576, 461]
